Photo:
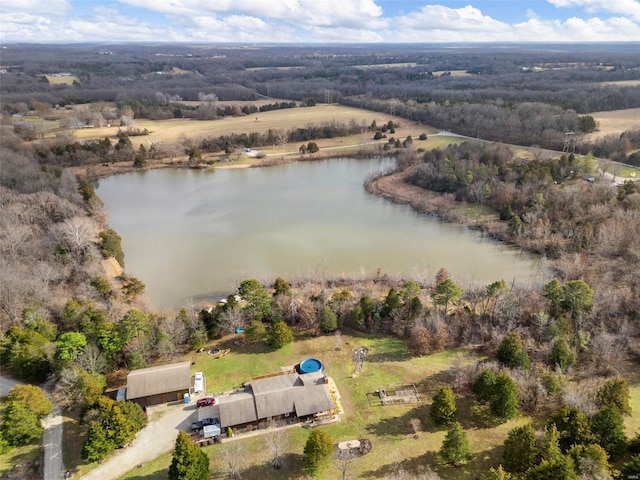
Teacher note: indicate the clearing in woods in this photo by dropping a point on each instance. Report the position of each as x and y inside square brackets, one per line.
[166, 131]
[614, 122]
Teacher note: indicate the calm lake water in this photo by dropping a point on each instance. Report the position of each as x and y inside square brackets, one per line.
[197, 233]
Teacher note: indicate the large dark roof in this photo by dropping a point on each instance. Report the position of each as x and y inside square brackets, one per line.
[157, 380]
[301, 395]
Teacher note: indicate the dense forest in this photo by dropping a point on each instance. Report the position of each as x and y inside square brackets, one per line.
[63, 318]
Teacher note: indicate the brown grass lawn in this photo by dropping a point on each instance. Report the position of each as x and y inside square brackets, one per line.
[615, 122]
[61, 80]
[174, 130]
[624, 83]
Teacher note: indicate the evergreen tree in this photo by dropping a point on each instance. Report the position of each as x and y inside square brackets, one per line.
[550, 449]
[189, 462]
[552, 291]
[255, 332]
[257, 298]
[590, 461]
[281, 287]
[561, 354]
[504, 403]
[329, 320]
[455, 447]
[631, 468]
[98, 443]
[279, 335]
[483, 386]
[511, 353]
[497, 474]
[615, 393]
[520, 449]
[607, 427]
[573, 427]
[20, 425]
[443, 408]
[445, 293]
[561, 469]
[316, 452]
[577, 297]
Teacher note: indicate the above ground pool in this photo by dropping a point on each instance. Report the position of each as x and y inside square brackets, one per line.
[310, 365]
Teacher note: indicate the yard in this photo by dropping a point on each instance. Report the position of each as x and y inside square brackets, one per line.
[402, 436]
[405, 442]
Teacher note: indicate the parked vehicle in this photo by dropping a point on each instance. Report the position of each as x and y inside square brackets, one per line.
[198, 382]
[205, 402]
[197, 426]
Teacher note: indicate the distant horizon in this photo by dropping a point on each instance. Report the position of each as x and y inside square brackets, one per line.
[330, 22]
[325, 44]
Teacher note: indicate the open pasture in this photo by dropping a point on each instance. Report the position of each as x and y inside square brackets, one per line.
[61, 79]
[615, 122]
[387, 65]
[174, 130]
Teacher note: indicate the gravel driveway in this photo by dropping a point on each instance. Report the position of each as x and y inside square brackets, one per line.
[158, 437]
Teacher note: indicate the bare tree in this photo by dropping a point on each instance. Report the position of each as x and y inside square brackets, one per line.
[276, 440]
[344, 459]
[230, 320]
[234, 458]
[78, 233]
[92, 359]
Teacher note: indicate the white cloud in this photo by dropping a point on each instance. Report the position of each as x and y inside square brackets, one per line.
[364, 13]
[52, 7]
[303, 21]
[532, 14]
[620, 7]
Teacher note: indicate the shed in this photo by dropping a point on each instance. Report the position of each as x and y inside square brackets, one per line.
[154, 385]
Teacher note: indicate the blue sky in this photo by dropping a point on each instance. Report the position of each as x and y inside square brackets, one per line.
[318, 21]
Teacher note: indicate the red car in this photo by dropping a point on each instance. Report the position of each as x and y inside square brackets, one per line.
[205, 402]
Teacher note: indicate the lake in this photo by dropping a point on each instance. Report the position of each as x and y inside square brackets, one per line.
[195, 234]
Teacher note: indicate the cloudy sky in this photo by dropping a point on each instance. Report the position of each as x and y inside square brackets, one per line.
[318, 21]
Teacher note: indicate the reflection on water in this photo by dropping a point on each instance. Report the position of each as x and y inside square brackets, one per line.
[197, 233]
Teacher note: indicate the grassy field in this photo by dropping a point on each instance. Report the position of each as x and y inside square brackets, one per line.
[615, 122]
[395, 442]
[387, 65]
[61, 79]
[167, 131]
[454, 73]
[624, 83]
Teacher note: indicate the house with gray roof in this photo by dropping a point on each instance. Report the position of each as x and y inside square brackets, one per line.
[161, 384]
[294, 397]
